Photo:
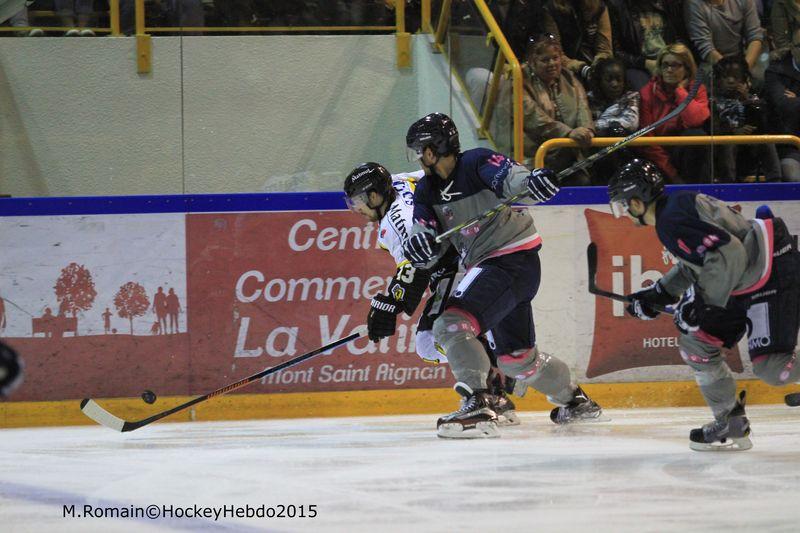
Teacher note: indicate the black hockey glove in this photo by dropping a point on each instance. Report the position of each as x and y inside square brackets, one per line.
[641, 302]
[10, 370]
[541, 185]
[421, 248]
[382, 317]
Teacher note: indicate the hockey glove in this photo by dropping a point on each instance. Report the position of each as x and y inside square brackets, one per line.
[540, 184]
[382, 317]
[10, 370]
[641, 302]
[687, 313]
[420, 249]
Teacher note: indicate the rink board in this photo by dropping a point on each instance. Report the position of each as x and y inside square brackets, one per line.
[107, 297]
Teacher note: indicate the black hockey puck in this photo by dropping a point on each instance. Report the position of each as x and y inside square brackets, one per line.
[149, 396]
[792, 399]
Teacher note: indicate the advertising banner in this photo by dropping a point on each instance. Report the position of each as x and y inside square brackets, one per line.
[109, 305]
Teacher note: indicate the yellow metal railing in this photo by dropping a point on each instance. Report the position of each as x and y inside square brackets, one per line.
[506, 61]
[112, 29]
[689, 140]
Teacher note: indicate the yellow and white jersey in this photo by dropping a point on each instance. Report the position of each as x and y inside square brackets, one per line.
[396, 225]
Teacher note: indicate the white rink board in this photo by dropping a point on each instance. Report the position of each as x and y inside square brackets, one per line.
[564, 309]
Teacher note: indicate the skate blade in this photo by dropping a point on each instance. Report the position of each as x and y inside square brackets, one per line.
[730, 445]
[481, 430]
[509, 418]
[601, 417]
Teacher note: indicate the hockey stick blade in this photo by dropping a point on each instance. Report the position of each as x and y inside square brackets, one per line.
[792, 399]
[592, 159]
[591, 260]
[94, 411]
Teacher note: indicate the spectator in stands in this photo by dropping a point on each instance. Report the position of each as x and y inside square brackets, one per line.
[555, 105]
[520, 19]
[675, 72]
[72, 10]
[615, 109]
[782, 89]
[784, 20]
[640, 29]
[737, 111]
[725, 28]
[584, 29]
[184, 13]
[20, 20]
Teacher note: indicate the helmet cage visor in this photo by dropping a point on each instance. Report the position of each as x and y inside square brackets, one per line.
[620, 207]
[414, 153]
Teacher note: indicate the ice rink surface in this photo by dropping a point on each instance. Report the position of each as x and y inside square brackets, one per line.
[633, 473]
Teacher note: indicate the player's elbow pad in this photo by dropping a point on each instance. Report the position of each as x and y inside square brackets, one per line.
[409, 293]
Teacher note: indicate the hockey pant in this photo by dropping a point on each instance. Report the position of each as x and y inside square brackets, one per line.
[495, 298]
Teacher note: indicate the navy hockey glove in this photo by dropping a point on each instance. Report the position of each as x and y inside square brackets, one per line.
[420, 249]
[641, 302]
[10, 370]
[382, 318]
[540, 184]
[687, 313]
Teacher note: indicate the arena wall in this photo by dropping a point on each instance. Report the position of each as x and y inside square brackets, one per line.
[253, 280]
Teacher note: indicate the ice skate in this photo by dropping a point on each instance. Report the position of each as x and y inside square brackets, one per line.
[729, 434]
[501, 403]
[580, 409]
[475, 419]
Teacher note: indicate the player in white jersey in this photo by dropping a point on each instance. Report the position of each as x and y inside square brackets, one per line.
[375, 194]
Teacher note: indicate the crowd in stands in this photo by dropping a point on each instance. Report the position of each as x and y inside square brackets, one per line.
[591, 68]
[595, 68]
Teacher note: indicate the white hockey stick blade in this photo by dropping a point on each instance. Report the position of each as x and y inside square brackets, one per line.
[91, 409]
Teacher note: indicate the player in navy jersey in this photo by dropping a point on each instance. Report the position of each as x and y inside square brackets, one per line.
[374, 193]
[501, 258]
[733, 276]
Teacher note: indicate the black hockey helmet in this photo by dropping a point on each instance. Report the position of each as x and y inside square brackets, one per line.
[437, 131]
[366, 178]
[638, 178]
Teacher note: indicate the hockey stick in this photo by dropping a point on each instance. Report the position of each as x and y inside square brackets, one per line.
[592, 159]
[591, 260]
[91, 409]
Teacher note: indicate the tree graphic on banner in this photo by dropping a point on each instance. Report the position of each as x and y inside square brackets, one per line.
[75, 290]
[131, 301]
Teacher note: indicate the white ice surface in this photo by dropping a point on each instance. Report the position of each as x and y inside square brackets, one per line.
[634, 473]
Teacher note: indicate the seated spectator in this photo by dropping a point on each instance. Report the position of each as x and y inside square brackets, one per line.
[584, 29]
[641, 28]
[68, 10]
[555, 105]
[782, 90]
[20, 20]
[784, 19]
[615, 109]
[725, 28]
[520, 19]
[675, 71]
[183, 13]
[737, 111]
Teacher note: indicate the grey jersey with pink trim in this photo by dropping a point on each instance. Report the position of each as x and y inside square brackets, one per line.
[480, 180]
[718, 250]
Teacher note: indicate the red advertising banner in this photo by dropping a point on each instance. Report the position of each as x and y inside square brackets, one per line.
[631, 258]
[271, 286]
